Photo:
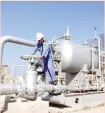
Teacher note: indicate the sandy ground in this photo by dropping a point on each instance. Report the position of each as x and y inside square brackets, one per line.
[94, 110]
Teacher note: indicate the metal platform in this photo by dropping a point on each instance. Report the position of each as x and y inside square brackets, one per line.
[78, 99]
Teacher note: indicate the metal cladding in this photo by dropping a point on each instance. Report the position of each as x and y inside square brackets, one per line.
[74, 56]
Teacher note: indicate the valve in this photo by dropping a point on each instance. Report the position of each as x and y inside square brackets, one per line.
[29, 57]
[33, 61]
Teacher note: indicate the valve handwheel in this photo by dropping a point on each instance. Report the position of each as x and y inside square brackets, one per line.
[28, 57]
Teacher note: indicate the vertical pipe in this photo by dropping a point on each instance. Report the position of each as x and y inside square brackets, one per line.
[99, 53]
[12, 39]
[99, 61]
[31, 82]
[92, 57]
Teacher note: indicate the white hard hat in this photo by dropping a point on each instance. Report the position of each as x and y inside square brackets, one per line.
[39, 36]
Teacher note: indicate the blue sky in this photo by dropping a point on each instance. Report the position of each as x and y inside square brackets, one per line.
[25, 19]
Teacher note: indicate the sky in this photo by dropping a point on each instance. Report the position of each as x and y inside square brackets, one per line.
[25, 19]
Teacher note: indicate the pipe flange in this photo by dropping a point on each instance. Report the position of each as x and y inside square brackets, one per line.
[21, 89]
[40, 89]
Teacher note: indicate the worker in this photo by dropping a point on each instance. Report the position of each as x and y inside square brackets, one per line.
[46, 57]
[39, 46]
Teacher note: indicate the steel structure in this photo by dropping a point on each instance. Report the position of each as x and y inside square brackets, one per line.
[79, 71]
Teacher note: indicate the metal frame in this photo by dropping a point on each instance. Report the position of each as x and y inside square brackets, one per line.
[17, 66]
[30, 89]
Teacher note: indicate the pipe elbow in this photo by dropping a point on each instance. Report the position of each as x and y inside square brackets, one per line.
[13, 39]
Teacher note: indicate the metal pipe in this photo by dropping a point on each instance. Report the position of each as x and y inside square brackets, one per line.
[99, 52]
[12, 39]
[96, 37]
[51, 88]
[6, 89]
[92, 58]
[31, 82]
[32, 98]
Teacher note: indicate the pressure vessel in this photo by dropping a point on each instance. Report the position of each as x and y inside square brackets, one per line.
[74, 56]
